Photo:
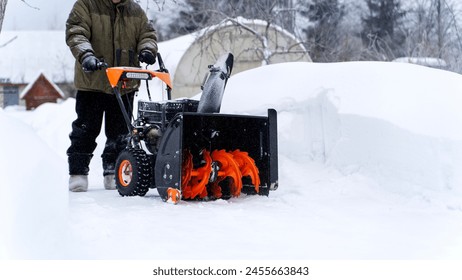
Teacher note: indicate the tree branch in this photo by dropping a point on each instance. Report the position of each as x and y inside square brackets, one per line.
[29, 5]
[8, 42]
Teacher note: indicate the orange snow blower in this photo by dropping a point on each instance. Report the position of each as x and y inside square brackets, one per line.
[187, 150]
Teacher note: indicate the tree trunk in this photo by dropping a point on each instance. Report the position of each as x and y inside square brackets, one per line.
[439, 19]
[2, 12]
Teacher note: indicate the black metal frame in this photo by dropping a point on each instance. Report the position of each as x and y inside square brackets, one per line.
[196, 131]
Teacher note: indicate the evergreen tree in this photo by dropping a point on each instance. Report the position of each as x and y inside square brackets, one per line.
[323, 34]
[380, 26]
[192, 17]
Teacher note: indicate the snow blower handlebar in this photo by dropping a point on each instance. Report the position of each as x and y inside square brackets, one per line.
[162, 69]
[119, 75]
[100, 65]
[161, 64]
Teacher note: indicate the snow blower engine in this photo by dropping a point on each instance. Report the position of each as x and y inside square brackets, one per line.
[188, 150]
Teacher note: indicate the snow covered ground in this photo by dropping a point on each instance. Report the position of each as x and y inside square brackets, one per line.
[370, 167]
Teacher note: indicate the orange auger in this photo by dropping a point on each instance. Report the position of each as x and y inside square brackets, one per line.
[194, 182]
[228, 169]
[232, 166]
[247, 167]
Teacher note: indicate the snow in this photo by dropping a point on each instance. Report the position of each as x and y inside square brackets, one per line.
[370, 167]
[37, 14]
[425, 61]
[33, 202]
[29, 53]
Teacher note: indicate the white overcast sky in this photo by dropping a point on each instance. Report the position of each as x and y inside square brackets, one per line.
[48, 14]
[40, 15]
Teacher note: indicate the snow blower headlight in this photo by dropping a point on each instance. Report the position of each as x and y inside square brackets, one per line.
[137, 76]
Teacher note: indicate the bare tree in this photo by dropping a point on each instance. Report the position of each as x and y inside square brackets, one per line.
[194, 15]
[433, 30]
[324, 33]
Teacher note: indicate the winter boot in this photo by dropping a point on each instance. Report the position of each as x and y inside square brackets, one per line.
[79, 163]
[109, 182]
[109, 160]
[78, 183]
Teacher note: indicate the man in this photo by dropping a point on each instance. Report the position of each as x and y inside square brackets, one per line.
[118, 33]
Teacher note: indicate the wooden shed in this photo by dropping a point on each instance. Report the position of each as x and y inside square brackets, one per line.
[41, 90]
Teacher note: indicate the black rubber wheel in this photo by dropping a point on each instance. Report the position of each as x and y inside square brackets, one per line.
[133, 172]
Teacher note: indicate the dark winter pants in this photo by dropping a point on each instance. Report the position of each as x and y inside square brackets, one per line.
[90, 108]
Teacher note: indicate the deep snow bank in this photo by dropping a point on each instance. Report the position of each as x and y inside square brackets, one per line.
[33, 200]
[419, 99]
[397, 123]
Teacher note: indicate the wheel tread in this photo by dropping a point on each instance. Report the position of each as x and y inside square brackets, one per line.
[142, 167]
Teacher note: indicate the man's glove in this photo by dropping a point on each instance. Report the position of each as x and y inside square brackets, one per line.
[90, 63]
[147, 57]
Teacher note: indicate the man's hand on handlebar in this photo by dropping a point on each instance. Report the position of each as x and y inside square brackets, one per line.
[91, 64]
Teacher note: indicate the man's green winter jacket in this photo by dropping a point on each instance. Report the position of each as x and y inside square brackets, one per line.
[115, 34]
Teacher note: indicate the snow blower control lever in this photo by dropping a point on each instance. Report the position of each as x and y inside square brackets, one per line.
[191, 154]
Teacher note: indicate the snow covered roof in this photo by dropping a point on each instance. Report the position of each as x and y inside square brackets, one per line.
[424, 61]
[31, 84]
[247, 22]
[250, 42]
[23, 53]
